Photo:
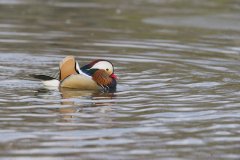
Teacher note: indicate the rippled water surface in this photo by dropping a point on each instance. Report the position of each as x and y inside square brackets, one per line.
[178, 93]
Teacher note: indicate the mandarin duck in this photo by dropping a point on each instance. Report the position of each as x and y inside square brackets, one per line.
[97, 75]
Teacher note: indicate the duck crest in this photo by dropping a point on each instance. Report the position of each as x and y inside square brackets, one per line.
[91, 64]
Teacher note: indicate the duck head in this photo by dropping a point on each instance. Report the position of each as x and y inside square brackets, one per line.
[102, 72]
[100, 64]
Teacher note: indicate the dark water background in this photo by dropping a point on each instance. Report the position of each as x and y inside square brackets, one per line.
[178, 93]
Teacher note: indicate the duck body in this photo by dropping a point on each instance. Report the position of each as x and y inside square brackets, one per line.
[79, 81]
[97, 75]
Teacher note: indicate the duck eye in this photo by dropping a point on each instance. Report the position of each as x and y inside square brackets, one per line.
[107, 69]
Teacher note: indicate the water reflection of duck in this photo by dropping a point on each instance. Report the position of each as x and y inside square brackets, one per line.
[97, 75]
[68, 93]
[74, 101]
[89, 99]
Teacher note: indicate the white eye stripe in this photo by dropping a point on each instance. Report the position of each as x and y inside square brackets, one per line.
[103, 65]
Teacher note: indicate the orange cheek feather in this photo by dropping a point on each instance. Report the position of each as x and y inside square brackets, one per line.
[101, 78]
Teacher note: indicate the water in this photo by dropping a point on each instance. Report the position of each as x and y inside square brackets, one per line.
[178, 93]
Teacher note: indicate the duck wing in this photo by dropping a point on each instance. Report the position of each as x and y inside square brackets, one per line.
[67, 67]
[71, 76]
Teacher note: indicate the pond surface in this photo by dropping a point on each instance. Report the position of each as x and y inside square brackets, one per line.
[178, 93]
